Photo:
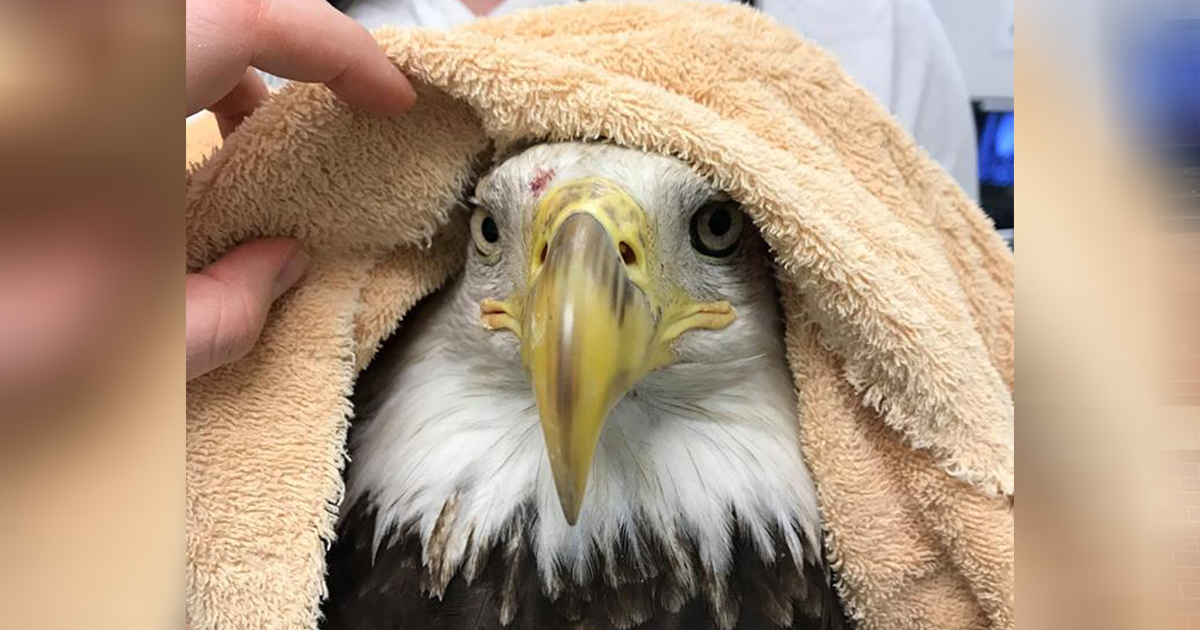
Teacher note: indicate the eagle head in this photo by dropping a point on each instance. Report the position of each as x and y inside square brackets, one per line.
[603, 386]
[582, 256]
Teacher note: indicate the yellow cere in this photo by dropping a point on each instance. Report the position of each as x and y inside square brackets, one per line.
[611, 206]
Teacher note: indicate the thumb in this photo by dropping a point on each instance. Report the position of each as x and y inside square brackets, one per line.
[228, 302]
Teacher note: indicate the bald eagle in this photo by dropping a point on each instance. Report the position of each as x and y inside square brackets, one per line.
[592, 426]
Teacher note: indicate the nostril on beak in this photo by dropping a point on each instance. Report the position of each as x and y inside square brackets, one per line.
[627, 253]
[542, 255]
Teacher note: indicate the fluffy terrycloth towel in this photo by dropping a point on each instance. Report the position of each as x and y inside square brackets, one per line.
[898, 295]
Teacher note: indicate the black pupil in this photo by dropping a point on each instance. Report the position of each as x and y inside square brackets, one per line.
[719, 222]
[488, 228]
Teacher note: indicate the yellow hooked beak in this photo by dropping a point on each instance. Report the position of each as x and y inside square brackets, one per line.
[593, 320]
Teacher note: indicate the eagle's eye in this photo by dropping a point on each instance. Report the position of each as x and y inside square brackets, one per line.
[716, 227]
[485, 232]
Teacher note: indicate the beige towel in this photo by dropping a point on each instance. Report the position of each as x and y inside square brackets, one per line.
[898, 295]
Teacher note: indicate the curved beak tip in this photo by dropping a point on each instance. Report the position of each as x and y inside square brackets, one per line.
[570, 508]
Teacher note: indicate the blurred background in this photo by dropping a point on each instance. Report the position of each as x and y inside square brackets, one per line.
[982, 36]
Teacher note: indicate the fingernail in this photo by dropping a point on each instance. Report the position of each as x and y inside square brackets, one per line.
[409, 101]
[291, 273]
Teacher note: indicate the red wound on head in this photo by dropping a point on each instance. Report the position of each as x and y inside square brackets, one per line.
[541, 177]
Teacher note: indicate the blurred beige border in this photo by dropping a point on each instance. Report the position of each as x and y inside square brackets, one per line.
[92, 479]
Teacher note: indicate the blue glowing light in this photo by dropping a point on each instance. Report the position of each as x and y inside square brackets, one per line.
[996, 150]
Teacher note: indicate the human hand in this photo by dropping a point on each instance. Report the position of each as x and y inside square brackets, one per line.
[227, 303]
[304, 40]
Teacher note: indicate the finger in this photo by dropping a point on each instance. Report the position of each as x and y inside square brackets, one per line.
[220, 42]
[309, 40]
[227, 303]
[241, 101]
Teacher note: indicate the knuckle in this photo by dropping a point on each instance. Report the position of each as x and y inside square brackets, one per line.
[241, 321]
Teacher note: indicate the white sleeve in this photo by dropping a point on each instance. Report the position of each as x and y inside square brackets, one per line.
[930, 96]
[898, 51]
